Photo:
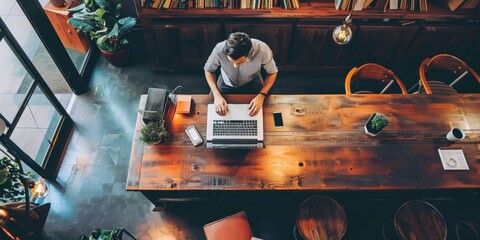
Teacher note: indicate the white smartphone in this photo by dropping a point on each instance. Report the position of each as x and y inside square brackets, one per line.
[194, 135]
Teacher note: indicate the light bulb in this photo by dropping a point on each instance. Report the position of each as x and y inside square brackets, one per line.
[40, 190]
[342, 34]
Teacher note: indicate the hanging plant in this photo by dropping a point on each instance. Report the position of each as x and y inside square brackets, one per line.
[11, 187]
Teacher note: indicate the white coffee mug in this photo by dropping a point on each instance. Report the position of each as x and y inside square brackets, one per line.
[455, 134]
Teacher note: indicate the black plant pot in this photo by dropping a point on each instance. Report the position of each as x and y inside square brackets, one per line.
[368, 127]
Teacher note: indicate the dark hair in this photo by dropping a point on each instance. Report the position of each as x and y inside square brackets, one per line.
[238, 45]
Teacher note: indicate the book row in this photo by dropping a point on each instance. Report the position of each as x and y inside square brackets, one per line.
[230, 4]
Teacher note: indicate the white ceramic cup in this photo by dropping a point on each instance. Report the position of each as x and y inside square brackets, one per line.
[455, 134]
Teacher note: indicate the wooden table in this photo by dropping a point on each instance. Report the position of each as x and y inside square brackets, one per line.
[322, 147]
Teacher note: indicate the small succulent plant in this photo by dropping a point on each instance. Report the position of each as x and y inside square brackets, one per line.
[379, 121]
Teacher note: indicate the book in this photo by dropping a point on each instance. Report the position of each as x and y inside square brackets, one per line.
[470, 4]
[156, 4]
[358, 5]
[453, 159]
[454, 4]
[337, 4]
[393, 4]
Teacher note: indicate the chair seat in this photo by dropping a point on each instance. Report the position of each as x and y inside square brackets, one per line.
[465, 229]
[234, 227]
[419, 220]
[320, 217]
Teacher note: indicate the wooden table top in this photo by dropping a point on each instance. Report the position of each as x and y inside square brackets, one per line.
[322, 146]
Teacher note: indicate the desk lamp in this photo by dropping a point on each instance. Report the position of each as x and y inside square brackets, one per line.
[342, 34]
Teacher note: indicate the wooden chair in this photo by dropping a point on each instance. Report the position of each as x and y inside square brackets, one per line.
[234, 227]
[382, 78]
[320, 217]
[419, 220]
[16, 223]
[445, 65]
[465, 229]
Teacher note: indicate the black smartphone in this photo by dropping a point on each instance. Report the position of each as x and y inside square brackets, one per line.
[277, 118]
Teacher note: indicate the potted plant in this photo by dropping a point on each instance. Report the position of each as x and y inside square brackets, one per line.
[106, 234]
[153, 132]
[375, 124]
[102, 21]
[12, 188]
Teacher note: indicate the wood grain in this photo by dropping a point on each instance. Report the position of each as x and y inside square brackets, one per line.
[320, 217]
[419, 220]
[322, 146]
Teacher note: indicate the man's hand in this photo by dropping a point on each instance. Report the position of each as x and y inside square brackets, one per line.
[221, 106]
[256, 104]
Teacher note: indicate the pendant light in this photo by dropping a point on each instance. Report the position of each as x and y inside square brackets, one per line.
[342, 34]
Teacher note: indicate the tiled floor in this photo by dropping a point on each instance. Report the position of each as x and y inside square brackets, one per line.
[89, 191]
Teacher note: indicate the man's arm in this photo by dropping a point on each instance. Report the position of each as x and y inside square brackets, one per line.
[221, 106]
[257, 102]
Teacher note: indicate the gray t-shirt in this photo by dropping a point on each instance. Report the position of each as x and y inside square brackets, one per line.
[260, 56]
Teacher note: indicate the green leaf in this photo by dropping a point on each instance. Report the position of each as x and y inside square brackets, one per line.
[118, 10]
[85, 26]
[3, 177]
[113, 32]
[77, 8]
[127, 25]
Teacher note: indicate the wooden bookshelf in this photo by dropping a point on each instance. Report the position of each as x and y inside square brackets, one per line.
[180, 39]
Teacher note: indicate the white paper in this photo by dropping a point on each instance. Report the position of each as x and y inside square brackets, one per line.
[453, 159]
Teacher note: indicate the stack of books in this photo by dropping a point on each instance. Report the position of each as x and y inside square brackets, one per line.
[166, 4]
[230, 4]
[383, 5]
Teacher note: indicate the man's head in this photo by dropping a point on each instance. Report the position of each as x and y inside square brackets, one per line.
[237, 47]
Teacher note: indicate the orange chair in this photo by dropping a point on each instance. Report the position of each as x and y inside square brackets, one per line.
[456, 68]
[382, 78]
[234, 227]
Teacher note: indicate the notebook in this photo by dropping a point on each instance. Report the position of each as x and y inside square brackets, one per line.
[234, 130]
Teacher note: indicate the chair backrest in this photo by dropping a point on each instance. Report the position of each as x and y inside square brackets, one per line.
[234, 227]
[18, 224]
[456, 68]
[419, 220]
[371, 71]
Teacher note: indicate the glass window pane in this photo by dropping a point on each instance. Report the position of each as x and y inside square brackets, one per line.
[13, 84]
[36, 128]
[31, 44]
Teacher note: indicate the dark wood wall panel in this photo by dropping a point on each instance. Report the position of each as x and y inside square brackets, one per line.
[275, 34]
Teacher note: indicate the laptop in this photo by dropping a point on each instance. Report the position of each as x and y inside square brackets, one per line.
[236, 129]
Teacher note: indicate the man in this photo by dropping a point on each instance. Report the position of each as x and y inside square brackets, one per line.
[240, 59]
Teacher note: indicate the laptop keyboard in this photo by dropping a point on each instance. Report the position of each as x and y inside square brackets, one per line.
[234, 127]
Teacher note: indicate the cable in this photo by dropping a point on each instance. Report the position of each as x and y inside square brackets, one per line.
[178, 87]
[173, 96]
